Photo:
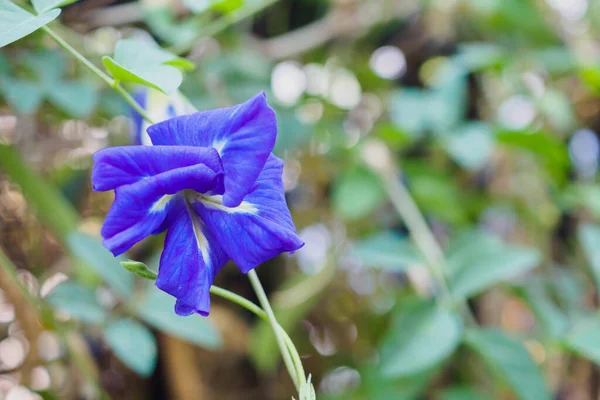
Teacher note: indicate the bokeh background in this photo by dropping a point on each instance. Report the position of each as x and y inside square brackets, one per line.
[441, 163]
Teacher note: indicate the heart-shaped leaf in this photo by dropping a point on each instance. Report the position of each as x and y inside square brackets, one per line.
[134, 344]
[141, 62]
[16, 23]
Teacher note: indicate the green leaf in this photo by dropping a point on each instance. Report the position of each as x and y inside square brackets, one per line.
[16, 23]
[438, 195]
[23, 96]
[388, 251]
[89, 250]
[419, 338]
[510, 362]
[163, 22]
[76, 98]
[47, 65]
[223, 6]
[589, 236]
[77, 301]
[583, 338]
[556, 107]
[480, 56]
[140, 269]
[488, 262]
[46, 5]
[357, 193]
[438, 109]
[462, 393]
[134, 344]
[410, 110]
[552, 152]
[553, 320]
[141, 62]
[157, 309]
[470, 145]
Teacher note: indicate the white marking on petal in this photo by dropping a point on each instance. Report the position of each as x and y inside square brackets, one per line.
[216, 202]
[218, 145]
[161, 203]
[201, 239]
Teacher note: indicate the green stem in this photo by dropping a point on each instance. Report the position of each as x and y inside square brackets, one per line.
[264, 302]
[259, 312]
[289, 353]
[422, 236]
[104, 77]
[48, 202]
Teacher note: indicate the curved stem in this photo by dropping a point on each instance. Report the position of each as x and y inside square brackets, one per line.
[288, 351]
[107, 79]
[264, 302]
[259, 312]
[423, 237]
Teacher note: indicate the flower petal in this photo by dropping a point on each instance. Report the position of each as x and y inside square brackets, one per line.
[118, 166]
[190, 260]
[244, 136]
[260, 227]
[139, 209]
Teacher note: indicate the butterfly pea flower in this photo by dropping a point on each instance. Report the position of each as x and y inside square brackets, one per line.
[210, 181]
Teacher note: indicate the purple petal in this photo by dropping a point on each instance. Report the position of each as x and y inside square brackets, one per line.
[260, 227]
[139, 209]
[118, 166]
[190, 260]
[244, 136]
[140, 96]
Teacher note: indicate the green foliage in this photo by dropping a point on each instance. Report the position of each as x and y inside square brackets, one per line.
[470, 145]
[18, 23]
[549, 315]
[90, 250]
[462, 393]
[356, 193]
[75, 97]
[134, 344]
[589, 236]
[420, 337]
[156, 308]
[388, 251]
[225, 6]
[550, 151]
[483, 261]
[78, 302]
[140, 62]
[45, 199]
[583, 338]
[510, 362]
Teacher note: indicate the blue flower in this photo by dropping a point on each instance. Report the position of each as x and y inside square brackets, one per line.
[210, 180]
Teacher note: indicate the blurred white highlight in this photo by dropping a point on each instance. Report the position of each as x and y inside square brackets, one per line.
[388, 62]
[288, 82]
